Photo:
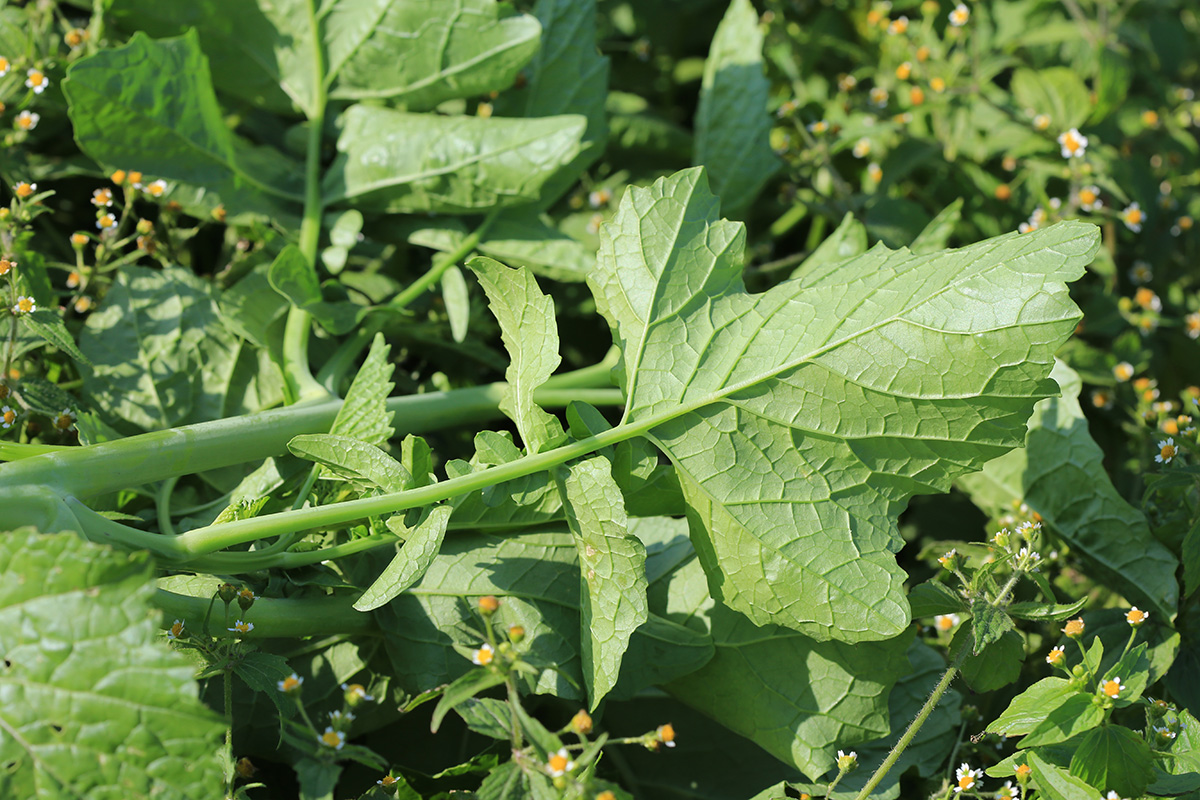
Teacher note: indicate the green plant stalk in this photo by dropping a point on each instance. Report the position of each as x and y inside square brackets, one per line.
[228, 691]
[275, 617]
[298, 375]
[98, 469]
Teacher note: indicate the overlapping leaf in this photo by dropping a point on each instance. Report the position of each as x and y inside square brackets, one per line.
[91, 698]
[801, 420]
[1060, 474]
[732, 124]
[416, 52]
[400, 162]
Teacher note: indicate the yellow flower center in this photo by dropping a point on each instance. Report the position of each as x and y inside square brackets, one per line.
[24, 189]
[36, 77]
[558, 763]
[1133, 216]
[1167, 452]
[1136, 615]
[944, 623]
[25, 304]
[1112, 688]
[177, 628]
[966, 782]
[1087, 196]
[10, 417]
[484, 656]
[903, 71]
[331, 738]
[938, 85]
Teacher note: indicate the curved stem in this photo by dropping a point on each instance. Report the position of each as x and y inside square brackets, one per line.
[162, 503]
[439, 267]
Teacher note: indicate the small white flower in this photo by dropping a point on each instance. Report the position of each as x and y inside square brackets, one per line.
[1074, 144]
[559, 763]
[1133, 217]
[960, 15]
[176, 630]
[332, 738]
[945, 622]
[1166, 451]
[966, 778]
[27, 120]
[36, 79]
[241, 627]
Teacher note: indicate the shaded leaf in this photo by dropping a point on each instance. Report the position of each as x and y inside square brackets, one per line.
[998, 664]
[1060, 475]
[464, 688]
[295, 278]
[937, 233]
[732, 124]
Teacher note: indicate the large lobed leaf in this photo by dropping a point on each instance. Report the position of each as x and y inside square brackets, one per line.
[420, 53]
[1060, 474]
[93, 703]
[801, 420]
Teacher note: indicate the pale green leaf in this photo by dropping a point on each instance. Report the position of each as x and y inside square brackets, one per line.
[412, 51]
[847, 241]
[613, 565]
[421, 546]
[1058, 92]
[394, 161]
[458, 302]
[1055, 783]
[364, 415]
[356, 461]
[150, 104]
[795, 697]
[530, 336]
[95, 703]
[801, 420]
[732, 124]
[1028, 709]
[159, 354]
[1060, 474]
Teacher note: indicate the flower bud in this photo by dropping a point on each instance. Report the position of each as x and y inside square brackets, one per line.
[355, 694]
[245, 599]
[1074, 628]
[227, 592]
[488, 605]
[581, 723]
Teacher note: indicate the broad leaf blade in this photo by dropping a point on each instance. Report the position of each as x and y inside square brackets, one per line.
[150, 104]
[421, 546]
[1116, 758]
[613, 594]
[353, 460]
[1062, 463]
[732, 125]
[530, 336]
[94, 702]
[394, 161]
[1058, 784]
[802, 419]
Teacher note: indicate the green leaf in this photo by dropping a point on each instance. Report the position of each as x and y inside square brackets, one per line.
[394, 161]
[938, 232]
[1043, 612]
[50, 327]
[421, 546]
[458, 302]
[262, 672]
[566, 76]
[530, 336]
[902, 371]
[95, 702]
[1179, 770]
[1056, 91]
[407, 50]
[159, 353]
[295, 278]
[317, 779]
[476, 681]
[932, 598]
[487, 716]
[506, 782]
[1191, 559]
[1114, 758]
[988, 623]
[364, 414]
[1028, 709]
[1058, 784]
[1133, 669]
[1075, 715]
[732, 124]
[613, 565]
[847, 241]
[361, 463]
[518, 237]
[999, 664]
[1060, 464]
[150, 104]
[795, 697]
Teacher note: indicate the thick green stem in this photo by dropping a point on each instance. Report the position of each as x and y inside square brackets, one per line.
[111, 466]
[229, 770]
[275, 617]
[297, 373]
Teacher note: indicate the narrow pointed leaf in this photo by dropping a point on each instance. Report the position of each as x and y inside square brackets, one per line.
[476, 681]
[364, 415]
[613, 564]
[1060, 465]
[458, 303]
[801, 420]
[421, 545]
[50, 327]
[732, 124]
[95, 704]
[530, 335]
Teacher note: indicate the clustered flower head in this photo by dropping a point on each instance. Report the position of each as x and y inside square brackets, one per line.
[1133, 217]
[945, 622]
[484, 655]
[1074, 628]
[176, 631]
[966, 778]
[355, 694]
[1056, 656]
[1166, 451]
[291, 684]
[1112, 688]
[847, 761]
[241, 627]
[1074, 144]
[36, 79]
[960, 15]
[559, 763]
[1136, 617]
[332, 738]
[27, 120]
